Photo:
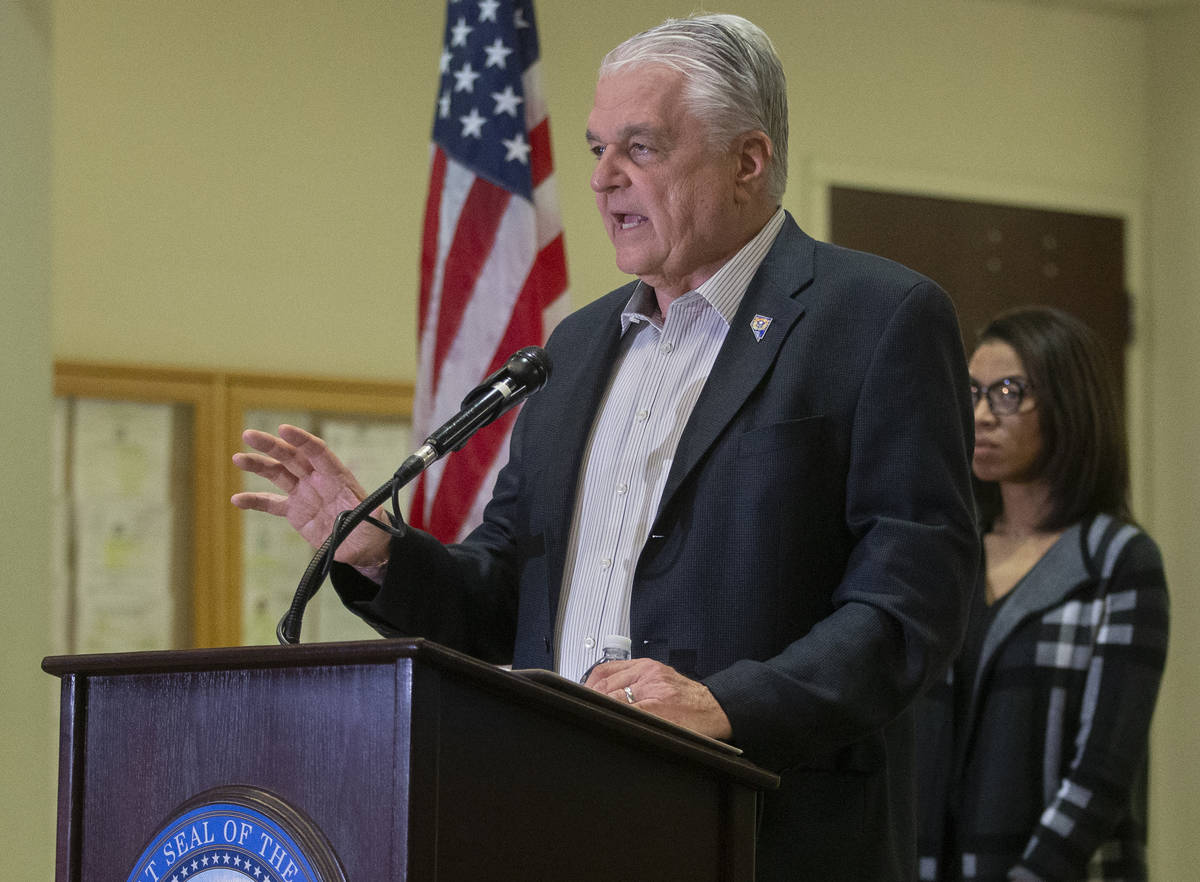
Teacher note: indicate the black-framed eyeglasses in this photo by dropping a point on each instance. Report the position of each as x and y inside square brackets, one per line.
[1004, 396]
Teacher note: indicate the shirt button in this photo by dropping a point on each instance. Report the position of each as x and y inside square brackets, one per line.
[589, 642]
[621, 488]
[606, 563]
[642, 415]
[666, 348]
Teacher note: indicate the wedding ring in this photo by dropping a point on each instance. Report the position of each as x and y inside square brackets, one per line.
[629, 694]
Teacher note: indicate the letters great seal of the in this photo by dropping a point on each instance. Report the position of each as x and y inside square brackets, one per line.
[230, 838]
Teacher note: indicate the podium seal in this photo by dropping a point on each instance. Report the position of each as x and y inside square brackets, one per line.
[235, 834]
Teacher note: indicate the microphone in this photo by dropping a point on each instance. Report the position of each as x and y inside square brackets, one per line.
[525, 372]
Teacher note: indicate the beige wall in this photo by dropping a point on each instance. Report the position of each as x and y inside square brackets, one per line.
[1174, 330]
[27, 734]
[241, 184]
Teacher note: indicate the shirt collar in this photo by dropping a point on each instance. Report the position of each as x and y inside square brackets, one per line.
[724, 290]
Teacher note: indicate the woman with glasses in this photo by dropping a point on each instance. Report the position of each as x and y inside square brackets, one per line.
[1034, 752]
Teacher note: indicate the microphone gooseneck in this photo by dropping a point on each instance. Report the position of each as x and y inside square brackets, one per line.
[526, 371]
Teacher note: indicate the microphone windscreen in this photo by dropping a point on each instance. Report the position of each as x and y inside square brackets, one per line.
[530, 367]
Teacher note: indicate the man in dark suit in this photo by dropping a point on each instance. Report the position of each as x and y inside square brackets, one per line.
[754, 461]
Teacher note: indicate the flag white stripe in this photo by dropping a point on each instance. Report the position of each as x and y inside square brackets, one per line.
[484, 321]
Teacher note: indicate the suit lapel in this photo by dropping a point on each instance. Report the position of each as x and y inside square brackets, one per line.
[744, 359]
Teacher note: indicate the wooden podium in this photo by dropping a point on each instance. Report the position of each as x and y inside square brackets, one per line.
[388, 760]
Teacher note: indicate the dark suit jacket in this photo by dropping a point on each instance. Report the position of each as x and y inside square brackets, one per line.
[810, 560]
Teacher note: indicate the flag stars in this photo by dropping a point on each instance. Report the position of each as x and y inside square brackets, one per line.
[517, 149]
[497, 53]
[472, 124]
[487, 10]
[480, 107]
[461, 31]
[465, 77]
[506, 102]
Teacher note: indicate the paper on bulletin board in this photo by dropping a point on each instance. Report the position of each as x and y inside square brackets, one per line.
[120, 513]
[274, 559]
[121, 449]
[274, 556]
[123, 599]
[332, 622]
[371, 450]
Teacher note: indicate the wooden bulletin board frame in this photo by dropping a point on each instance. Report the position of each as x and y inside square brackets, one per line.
[218, 400]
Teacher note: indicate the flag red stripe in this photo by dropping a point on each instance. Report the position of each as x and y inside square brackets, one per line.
[433, 209]
[548, 277]
[469, 467]
[473, 240]
[541, 162]
[416, 505]
[465, 473]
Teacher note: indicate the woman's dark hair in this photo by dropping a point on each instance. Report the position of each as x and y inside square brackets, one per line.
[1084, 460]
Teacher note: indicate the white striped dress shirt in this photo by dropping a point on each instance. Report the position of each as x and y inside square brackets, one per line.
[660, 372]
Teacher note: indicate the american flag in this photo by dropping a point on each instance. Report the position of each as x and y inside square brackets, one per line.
[493, 266]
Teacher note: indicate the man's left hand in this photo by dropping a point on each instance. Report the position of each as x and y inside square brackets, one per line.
[664, 692]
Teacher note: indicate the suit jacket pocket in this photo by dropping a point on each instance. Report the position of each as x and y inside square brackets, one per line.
[800, 434]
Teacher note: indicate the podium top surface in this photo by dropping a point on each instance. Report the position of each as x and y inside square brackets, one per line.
[233, 657]
[541, 689]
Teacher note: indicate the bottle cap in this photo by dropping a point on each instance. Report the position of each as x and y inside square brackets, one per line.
[619, 643]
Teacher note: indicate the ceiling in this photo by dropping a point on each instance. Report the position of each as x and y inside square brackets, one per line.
[1119, 7]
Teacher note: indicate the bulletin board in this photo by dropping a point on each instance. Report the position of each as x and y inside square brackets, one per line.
[148, 551]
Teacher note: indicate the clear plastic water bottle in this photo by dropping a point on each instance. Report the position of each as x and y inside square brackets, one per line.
[615, 648]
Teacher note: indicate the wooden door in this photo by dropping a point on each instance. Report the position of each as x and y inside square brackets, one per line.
[991, 257]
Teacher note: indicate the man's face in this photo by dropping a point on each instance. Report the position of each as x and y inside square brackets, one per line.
[661, 188]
